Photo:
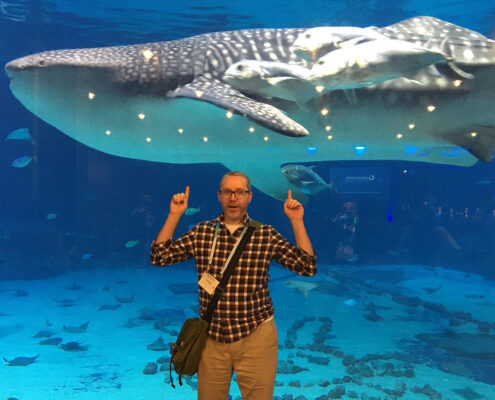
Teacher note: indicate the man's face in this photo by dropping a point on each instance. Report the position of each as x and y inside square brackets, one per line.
[234, 208]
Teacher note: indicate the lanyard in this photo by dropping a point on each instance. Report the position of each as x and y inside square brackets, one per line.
[210, 258]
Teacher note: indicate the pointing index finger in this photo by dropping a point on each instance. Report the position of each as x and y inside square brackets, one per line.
[289, 195]
[187, 192]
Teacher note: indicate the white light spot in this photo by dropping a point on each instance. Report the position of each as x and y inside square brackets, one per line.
[199, 93]
[180, 130]
[405, 171]
[147, 54]
[399, 135]
[108, 133]
[330, 137]
[141, 116]
[457, 82]
[251, 129]
[324, 111]
[411, 126]
[474, 134]
[91, 95]
[148, 139]
[265, 138]
[319, 88]
[229, 114]
[431, 108]
[328, 128]
[205, 139]
[468, 54]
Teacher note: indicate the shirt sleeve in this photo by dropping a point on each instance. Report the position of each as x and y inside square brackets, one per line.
[173, 251]
[292, 257]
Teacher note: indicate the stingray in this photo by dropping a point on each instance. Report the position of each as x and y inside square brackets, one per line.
[73, 346]
[158, 345]
[76, 329]
[109, 307]
[124, 300]
[44, 334]
[51, 341]
[21, 361]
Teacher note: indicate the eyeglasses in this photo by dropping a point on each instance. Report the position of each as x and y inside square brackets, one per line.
[239, 193]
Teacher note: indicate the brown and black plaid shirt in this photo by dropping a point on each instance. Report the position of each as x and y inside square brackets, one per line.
[246, 302]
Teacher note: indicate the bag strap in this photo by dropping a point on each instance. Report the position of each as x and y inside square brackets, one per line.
[252, 225]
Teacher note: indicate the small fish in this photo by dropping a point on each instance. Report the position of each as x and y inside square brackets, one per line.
[350, 302]
[302, 286]
[20, 361]
[484, 182]
[132, 243]
[65, 302]
[51, 216]
[192, 211]
[20, 134]
[22, 161]
[306, 180]
[86, 256]
[20, 293]
[76, 329]
[74, 286]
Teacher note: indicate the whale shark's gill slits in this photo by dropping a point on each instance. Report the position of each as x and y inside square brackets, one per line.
[200, 52]
[280, 46]
[186, 56]
[215, 59]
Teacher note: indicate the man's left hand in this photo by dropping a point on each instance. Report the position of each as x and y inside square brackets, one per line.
[292, 208]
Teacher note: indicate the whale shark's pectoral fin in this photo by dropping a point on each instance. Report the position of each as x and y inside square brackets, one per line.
[221, 94]
[479, 140]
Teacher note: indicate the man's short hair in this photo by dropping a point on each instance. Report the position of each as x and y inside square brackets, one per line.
[238, 173]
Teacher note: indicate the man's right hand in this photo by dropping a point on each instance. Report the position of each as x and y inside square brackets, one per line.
[178, 204]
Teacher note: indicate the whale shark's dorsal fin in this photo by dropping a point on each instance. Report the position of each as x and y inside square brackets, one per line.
[221, 94]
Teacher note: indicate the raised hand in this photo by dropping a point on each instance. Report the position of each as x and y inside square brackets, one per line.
[178, 204]
[292, 208]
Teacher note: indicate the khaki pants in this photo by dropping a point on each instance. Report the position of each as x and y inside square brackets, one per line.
[254, 360]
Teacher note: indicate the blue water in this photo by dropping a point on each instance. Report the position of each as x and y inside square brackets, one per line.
[408, 290]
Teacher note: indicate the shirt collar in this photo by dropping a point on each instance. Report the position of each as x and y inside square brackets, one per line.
[244, 220]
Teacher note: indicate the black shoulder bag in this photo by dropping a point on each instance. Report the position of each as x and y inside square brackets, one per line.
[186, 351]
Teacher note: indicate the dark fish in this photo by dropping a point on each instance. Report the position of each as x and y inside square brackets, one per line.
[76, 329]
[158, 345]
[74, 286]
[124, 300]
[20, 361]
[51, 341]
[305, 179]
[41, 334]
[73, 346]
[109, 307]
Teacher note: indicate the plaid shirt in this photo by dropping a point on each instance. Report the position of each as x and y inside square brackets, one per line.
[246, 302]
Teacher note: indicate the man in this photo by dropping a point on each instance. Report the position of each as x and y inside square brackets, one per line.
[242, 334]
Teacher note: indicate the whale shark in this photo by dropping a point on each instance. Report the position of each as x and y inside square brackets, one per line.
[167, 102]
